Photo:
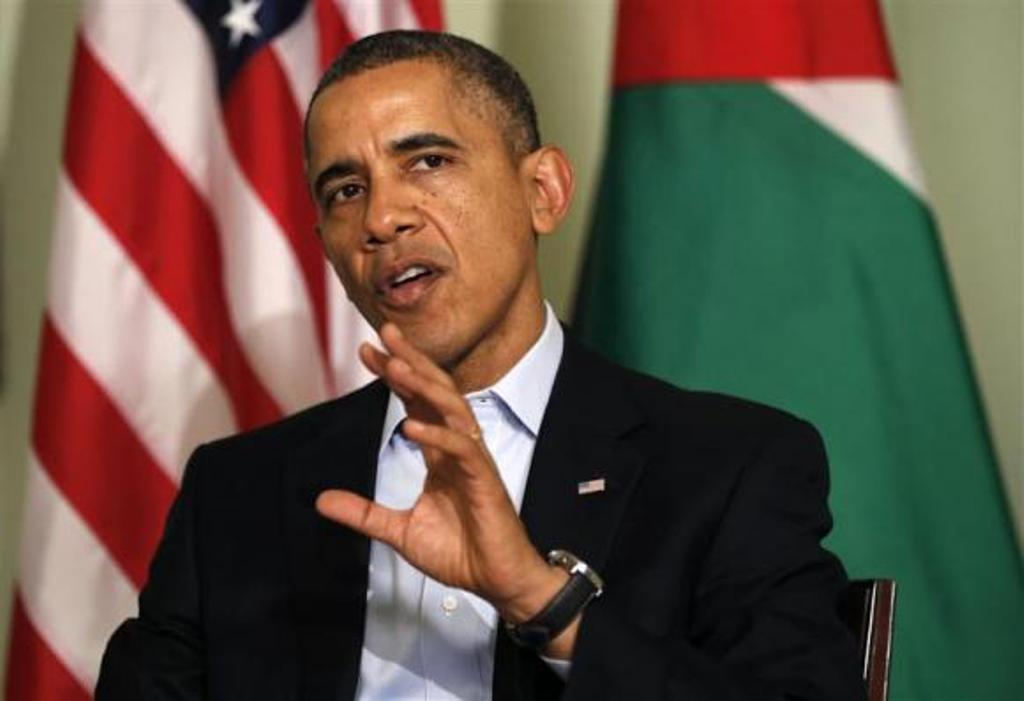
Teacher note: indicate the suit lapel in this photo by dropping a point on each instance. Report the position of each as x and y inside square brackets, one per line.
[327, 562]
[581, 439]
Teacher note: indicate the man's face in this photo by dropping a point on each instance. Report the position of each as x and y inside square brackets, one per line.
[424, 213]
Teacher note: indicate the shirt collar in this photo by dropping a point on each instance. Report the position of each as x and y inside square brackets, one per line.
[525, 389]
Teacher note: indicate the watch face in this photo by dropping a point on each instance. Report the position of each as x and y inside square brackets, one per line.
[573, 565]
[562, 558]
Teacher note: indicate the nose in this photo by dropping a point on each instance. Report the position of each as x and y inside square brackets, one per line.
[390, 211]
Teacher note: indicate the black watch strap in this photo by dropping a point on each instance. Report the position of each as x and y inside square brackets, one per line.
[583, 586]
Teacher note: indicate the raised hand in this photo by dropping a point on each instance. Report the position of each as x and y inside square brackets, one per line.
[463, 529]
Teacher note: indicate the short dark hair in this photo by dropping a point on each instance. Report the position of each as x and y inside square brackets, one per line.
[480, 67]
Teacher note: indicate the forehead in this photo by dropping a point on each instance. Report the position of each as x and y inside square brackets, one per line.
[387, 103]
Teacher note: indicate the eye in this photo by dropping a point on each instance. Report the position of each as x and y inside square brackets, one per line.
[431, 161]
[350, 190]
[343, 193]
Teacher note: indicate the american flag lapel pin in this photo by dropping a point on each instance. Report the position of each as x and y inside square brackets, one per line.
[590, 486]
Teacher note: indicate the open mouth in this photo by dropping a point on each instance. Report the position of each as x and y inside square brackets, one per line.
[405, 285]
[409, 275]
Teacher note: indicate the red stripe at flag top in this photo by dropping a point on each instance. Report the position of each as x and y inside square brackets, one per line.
[182, 235]
[695, 40]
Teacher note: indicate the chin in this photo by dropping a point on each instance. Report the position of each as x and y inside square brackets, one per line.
[432, 338]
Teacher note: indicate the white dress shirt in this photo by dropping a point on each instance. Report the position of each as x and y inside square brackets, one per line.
[425, 640]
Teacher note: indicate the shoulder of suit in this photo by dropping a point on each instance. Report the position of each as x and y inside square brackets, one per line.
[707, 412]
[286, 434]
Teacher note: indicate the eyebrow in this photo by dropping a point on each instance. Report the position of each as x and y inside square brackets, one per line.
[406, 144]
[426, 139]
[338, 169]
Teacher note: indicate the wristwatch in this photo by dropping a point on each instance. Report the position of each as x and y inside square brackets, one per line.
[583, 586]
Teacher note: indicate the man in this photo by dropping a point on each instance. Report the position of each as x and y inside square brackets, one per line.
[391, 544]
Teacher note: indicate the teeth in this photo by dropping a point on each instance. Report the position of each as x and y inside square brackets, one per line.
[409, 274]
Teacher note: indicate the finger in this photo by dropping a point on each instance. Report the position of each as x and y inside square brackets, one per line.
[466, 448]
[362, 515]
[373, 358]
[399, 346]
[444, 402]
[376, 361]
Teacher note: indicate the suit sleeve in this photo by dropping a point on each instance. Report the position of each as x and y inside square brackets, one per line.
[762, 623]
[159, 654]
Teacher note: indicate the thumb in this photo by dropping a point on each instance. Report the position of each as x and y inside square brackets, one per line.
[362, 515]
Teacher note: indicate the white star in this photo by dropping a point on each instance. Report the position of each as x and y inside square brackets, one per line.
[241, 20]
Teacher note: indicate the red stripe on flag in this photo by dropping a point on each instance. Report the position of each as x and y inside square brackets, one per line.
[96, 460]
[265, 130]
[332, 32]
[33, 671]
[661, 41]
[429, 14]
[120, 167]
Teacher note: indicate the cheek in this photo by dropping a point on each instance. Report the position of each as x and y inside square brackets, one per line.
[349, 271]
[347, 265]
[491, 218]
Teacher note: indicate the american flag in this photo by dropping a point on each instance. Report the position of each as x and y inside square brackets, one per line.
[188, 295]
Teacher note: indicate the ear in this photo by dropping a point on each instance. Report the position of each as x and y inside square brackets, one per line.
[550, 186]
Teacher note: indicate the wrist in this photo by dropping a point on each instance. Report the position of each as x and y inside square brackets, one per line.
[561, 646]
[541, 582]
[553, 628]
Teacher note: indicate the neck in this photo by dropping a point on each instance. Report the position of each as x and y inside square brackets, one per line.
[500, 349]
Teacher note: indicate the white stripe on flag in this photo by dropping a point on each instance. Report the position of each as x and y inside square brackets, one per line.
[74, 594]
[297, 51]
[866, 112]
[168, 75]
[128, 340]
[365, 18]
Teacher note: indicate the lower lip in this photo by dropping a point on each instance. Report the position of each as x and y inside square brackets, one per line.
[410, 294]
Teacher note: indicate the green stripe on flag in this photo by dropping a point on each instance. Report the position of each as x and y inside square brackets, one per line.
[740, 245]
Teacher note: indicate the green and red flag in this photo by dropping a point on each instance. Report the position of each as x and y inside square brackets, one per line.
[762, 229]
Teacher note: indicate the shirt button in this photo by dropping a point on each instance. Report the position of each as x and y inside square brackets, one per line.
[448, 604]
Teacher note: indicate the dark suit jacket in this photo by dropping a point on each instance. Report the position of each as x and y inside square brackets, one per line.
[707, 536]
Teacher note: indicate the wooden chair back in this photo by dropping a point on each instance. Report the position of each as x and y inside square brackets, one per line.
[868, 608]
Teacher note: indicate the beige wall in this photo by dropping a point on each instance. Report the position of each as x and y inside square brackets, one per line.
[35, 48]
[960, 62]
